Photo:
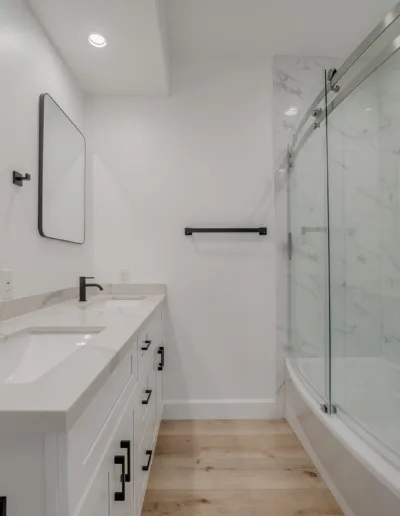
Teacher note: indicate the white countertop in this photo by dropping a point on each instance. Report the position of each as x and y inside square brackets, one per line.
[55, 400]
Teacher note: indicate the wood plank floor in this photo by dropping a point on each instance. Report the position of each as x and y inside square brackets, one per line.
[240, 468]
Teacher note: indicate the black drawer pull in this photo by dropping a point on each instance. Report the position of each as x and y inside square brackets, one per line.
[145, 348]
[161, 351]
[3, 506]
[127, 446]
[148, 392]
[119, 496]
[147, 466]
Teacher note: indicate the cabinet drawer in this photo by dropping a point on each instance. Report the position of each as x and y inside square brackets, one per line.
[150, 330]
[146, 456]
[84, 443]
[145, 411]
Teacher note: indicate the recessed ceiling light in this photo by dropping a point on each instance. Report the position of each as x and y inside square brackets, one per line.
[293, 110]
[97, 40]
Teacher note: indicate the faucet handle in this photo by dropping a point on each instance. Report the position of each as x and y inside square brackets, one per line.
[82, 279]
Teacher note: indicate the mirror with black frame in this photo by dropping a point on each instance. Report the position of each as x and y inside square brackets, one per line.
[62, 174]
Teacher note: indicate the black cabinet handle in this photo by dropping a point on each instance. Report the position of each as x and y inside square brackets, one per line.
[148, 392]
[147, 466]
[148, 344]
[161, 351]
[119, 496]
[127, 445]
[3, 506]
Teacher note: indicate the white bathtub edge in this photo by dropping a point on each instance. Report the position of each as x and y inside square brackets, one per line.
[293, 422]
[342, 455]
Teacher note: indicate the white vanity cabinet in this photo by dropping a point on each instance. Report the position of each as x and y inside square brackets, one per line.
[100, 466]
[132, 444]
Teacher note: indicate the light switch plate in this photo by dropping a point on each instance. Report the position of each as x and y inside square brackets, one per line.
[6, 284]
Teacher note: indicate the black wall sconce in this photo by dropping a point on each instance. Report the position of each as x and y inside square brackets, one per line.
[18, 180]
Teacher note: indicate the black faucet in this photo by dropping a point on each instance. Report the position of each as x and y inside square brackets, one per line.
[83, 286]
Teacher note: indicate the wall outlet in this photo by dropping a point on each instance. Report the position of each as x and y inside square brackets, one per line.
[124, 276]
[6, 284]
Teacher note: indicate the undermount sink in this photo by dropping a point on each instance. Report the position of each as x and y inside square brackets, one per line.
[27, 355]
[117, 304]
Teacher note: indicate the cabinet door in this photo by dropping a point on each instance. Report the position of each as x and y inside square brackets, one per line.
[110, 493]
[96, 501]
[121, 461]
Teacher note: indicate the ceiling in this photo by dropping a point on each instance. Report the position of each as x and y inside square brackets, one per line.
[242, 28]
[135, 61]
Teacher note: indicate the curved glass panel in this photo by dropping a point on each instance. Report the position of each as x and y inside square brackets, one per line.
[364, 190]
[308, 313]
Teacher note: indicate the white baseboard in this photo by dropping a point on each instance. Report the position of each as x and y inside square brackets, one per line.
[222, 409]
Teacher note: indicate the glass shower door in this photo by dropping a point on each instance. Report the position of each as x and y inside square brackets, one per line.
[364, 194]
[308, 245]
[344, 245]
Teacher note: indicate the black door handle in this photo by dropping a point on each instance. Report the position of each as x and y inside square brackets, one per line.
[161, 351]
[119, 496]
[147, 466]
[148, 342]
[127, 445]
[148, 392]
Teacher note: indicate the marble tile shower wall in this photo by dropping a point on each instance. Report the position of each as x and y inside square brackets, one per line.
[297, 81]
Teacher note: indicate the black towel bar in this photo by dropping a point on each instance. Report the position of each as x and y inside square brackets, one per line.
[260, 231]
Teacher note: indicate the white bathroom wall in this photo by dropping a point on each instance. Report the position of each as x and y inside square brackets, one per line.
[29, 66]
[201, 157]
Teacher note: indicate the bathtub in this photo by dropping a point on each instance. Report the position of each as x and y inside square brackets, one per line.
[367, 390]
[363, 482]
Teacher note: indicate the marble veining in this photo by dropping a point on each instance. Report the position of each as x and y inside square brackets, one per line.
[23, 305]
[297, 82]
